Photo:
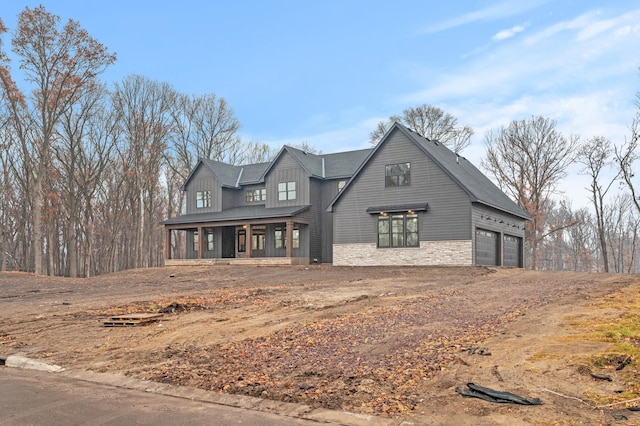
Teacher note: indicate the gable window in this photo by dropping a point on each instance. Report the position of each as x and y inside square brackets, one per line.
[257, 195]
[341, 184]
[397, 175]
[203, 199]
[398, 230]
[286, 191]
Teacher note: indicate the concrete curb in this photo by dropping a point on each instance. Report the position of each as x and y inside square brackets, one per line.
[17, 361]
[286, 409]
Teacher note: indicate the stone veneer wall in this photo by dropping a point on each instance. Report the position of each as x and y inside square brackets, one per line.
[451, 253]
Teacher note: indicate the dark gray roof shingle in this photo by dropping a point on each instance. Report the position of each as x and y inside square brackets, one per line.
[479, 187]
[237, 213]
[469, 178]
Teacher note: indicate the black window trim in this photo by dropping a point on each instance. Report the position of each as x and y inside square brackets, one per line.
[396, 177]
[388, 217]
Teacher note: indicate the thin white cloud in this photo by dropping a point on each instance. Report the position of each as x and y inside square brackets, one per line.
[496, 11]
[505, 34]
[588, 26]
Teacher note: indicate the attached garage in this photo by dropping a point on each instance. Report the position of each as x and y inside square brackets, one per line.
[512, 251]
[487, 248]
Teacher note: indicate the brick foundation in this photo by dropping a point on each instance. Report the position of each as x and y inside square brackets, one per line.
[452, 253]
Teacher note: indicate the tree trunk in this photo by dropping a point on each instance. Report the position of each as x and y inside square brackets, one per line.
[37, 227]
[72, 249]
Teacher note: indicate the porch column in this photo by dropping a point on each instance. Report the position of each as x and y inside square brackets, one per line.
[167, 244]
[249, 240]
[200, 242]
[289, 238]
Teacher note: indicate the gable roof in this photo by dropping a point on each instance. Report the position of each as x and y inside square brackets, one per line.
[324, 166]
[228, 175]
[479, 188]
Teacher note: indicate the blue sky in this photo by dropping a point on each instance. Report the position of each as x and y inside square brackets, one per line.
[326, 72]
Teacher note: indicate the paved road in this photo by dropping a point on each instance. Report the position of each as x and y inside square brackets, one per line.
[30, 397]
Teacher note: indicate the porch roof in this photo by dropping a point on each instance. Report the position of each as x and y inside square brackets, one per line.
[256, 212]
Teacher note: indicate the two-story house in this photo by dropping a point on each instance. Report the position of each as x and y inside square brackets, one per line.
[408, 201]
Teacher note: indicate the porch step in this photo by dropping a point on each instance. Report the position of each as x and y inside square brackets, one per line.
[259, 261]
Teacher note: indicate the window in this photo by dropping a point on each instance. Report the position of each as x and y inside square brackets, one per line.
[203, 199]
[341, 184]
[257, 195]
[397, 175]
[210, 240]
[286, 191]
[196, 241]
[242, 241]
[257, 241]
[281, 238]
[398, 230]
[296, 237]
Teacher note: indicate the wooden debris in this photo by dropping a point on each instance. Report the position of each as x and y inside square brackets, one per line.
[131, 320]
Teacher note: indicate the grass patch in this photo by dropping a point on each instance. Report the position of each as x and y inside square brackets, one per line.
[541, 356]
[615, 319]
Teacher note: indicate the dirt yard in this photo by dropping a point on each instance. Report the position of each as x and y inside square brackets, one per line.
[393, 342]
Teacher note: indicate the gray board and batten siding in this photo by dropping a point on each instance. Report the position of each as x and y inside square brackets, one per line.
[457, 206]
[448, 216]
[203, 180]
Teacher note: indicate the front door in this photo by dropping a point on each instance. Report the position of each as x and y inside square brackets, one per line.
[228, 242]
[258, 235]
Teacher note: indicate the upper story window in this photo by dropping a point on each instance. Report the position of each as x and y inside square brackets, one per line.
[398, 230]
[341, 184]
[286, 191]
[257, 195]
[397, 175]
[203, 199]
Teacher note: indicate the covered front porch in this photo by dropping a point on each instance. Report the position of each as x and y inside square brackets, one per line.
[268, 241]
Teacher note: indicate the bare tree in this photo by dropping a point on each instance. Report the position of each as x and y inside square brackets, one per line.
[617, 216]
[59, 63]
[203, 127]
[595, 155]
[307, 147]
[528, 159]
[86, 139]
[257, 152]
[143, 109]
[626, 155]
[430, 122]
[580, 241]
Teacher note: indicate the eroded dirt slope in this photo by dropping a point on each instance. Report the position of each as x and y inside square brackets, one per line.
[387, 341]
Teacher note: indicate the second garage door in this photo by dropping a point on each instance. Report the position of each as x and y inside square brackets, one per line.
[486, 248]
[512, 251]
